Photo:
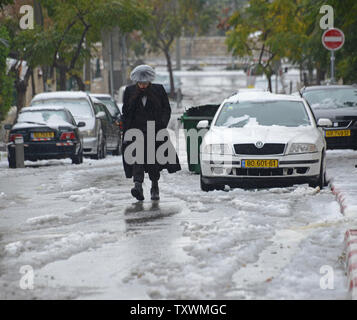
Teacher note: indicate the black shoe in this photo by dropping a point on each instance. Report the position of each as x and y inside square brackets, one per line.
[137, 192]
[155, 194]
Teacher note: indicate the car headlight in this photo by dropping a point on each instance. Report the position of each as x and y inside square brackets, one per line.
[218, 149]
[302, 148]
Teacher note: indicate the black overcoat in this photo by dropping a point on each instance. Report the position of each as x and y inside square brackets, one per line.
[158, 101]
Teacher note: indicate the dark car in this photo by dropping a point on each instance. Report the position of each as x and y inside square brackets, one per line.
[112, 131]
[339, 104]
[48, 132]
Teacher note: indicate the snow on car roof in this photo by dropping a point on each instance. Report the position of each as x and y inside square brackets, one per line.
[61, 95]
[261, 96]
[327, 87]
[43, 107]
[101, 95]
[96, 100]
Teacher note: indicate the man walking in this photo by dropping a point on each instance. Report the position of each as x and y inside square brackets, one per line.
[146, 104]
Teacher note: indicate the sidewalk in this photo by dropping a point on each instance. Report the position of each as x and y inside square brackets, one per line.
[344, 186]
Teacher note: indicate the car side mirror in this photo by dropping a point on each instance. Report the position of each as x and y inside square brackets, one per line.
[100, 115]
[203, 124]
[81, 124]
[7, 126]
[324, 123]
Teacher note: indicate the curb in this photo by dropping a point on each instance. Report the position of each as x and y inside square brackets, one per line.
[351, 261]
[350, 246]
[339, 197]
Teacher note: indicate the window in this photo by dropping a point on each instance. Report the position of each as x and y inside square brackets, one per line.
[332, 98]
[263, 113]
[43, 116]
[78, 107]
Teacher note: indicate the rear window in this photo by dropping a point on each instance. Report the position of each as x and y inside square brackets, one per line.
[80, 108]
[43, 116]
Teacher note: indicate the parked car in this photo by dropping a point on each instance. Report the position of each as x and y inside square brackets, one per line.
[111, 130]
[111, 104]
[48, 132]
[264, 139]
[81, 106]
[339, 104]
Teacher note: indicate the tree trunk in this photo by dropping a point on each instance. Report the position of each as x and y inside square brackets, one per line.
[169, 69]
[21, 88]
[80, 83]
[33, 84]
[62, 78]
[270, 88]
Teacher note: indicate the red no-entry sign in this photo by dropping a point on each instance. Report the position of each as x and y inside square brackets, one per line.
[333, 39]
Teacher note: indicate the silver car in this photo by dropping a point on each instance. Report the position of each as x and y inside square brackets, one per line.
[81, 106]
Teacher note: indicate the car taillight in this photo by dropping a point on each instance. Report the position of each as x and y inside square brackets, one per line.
[14, 136]
[121, 125]
[68, 136]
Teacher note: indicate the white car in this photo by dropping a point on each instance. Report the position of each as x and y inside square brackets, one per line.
[264, 139]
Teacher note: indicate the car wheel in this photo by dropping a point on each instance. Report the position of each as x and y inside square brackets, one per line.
[99, 153]
[206, 187]
[321, 180]
[117, 151]
[78, 159]
[104, 149]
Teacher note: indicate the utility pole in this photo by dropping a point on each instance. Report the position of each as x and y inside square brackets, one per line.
[111, 66]
[123, 58]
[178, 53]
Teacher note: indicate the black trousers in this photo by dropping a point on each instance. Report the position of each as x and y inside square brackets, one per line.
[139, 172]
[139, 169]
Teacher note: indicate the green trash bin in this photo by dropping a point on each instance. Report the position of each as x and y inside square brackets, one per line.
[190, 119]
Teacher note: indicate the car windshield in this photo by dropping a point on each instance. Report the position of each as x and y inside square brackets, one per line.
[78, 107]
[332, 98]
[263, 113]
[43, 116]
[110, 104]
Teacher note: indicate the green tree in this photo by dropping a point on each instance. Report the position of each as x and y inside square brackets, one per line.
[77, 25]
[266, 31]
[166, 20]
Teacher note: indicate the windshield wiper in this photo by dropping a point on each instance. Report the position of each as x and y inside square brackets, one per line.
[350, 103]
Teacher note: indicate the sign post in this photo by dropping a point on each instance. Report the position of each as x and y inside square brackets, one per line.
[333, 40]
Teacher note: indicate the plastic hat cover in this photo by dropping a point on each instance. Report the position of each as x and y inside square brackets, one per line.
[143, 73]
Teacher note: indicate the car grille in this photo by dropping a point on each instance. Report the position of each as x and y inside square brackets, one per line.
[271, 172]
[342, 142]
[267, 149]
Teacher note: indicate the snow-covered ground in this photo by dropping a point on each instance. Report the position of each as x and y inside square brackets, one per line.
[77, 228]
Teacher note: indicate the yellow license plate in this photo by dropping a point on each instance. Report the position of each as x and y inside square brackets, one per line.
[338, 133]
[38, 135]
[260, 163]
